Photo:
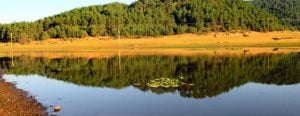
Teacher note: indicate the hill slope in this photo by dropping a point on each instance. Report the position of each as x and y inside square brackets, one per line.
[146, 18]
[287, 10]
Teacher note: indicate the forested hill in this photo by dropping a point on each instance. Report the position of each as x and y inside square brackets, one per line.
[286, 10]
[146, 18]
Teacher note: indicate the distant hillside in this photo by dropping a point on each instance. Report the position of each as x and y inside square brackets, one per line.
[146, 18]
[288, 10]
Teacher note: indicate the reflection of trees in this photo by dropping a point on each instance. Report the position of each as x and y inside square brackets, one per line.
[286, 71]
[1, 73]
[211, 75]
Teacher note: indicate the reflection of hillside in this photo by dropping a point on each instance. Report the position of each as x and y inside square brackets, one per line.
[1, 73]
[286, 71]
[211, 75]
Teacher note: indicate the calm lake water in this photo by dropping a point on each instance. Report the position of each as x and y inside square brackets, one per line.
[223, 85]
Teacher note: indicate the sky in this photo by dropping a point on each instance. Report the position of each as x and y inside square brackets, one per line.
[31, 10]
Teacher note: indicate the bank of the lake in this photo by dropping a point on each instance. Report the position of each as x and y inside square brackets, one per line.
[16, 102]
[204, 42]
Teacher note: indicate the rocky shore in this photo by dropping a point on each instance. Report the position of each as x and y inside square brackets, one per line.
[15, 102]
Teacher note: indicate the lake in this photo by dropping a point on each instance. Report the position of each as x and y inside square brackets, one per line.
[247, 85]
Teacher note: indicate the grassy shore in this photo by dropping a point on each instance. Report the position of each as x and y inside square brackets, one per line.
[185, 44]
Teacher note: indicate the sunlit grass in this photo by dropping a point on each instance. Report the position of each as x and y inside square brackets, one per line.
[185, 44]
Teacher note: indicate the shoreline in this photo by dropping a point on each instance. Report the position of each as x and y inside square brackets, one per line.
[16, 102]
[283, 39]
[230, 51]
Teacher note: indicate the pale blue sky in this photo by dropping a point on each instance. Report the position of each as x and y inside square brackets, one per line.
[30, 10]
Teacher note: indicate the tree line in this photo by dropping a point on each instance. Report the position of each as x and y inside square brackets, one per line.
[147, 18]
[287, 10]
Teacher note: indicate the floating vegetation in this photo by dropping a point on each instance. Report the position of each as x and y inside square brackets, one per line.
[165, 82]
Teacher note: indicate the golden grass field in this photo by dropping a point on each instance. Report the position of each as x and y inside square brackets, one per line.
[221, 43]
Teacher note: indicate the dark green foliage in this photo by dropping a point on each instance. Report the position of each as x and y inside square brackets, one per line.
[147, 18]
[287, 10]
[224, 15]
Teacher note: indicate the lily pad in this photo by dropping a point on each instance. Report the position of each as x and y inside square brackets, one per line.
[165, 82]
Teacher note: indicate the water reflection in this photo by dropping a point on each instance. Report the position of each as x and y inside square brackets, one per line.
[1, 73]
[211, 75]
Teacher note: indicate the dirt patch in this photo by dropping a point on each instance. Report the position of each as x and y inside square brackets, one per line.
[15, 102]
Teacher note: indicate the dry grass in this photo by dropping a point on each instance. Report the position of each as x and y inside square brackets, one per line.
[185, 44]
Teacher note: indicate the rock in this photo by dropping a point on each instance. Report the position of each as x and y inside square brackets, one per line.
[57, 108]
